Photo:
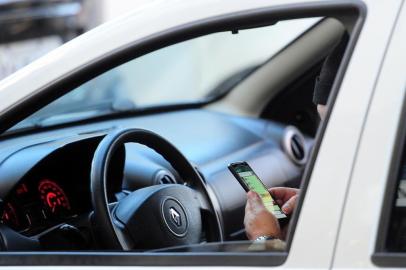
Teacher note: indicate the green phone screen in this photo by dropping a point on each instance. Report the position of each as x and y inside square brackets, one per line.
[255, 184]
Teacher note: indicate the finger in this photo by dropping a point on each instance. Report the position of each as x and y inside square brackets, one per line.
[283, 193]
[278, 193]
[277, 190]
[253, 197]
[247, 207]
[254, 201]
[290, 205]
[283, 190]
[279, 202]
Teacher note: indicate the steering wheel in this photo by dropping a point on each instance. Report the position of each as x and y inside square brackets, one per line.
[157, 216]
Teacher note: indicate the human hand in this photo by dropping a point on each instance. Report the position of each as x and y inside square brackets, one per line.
[285, 197]
[258, 221]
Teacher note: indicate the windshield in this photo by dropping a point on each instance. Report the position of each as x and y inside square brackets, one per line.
[189, 71]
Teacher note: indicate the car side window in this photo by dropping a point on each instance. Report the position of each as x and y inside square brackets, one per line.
[396, 230]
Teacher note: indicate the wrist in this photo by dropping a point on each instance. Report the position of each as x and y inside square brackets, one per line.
[265, 233]
[264, 238]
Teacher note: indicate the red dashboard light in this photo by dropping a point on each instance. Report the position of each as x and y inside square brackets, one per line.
[53, 200]
[21, 189]
[53, 196]
[9, 216]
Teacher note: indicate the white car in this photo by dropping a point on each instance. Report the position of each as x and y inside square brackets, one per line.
[206, 83]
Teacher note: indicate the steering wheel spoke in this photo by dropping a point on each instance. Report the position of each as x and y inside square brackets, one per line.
[122, 236]
[204, 204]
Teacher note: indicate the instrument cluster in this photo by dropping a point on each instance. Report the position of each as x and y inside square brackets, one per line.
[52, 189]
[36, 205]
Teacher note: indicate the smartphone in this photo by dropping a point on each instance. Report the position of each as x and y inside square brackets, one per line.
[250, 181]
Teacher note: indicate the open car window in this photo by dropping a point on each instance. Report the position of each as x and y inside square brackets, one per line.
[192, 71]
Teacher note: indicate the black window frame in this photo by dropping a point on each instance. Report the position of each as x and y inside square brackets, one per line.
[381, 257]
[354, 10]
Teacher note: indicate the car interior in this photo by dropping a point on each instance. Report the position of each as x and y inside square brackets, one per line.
[104, 182]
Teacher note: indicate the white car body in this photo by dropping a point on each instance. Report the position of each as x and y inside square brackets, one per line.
[367, 110]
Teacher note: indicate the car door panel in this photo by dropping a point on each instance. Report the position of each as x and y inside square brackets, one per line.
[363, 208]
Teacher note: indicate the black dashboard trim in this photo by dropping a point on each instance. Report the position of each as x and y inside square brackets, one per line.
[19, 167]
[141, 259]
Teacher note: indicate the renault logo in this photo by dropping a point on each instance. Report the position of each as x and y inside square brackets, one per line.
[175, 216]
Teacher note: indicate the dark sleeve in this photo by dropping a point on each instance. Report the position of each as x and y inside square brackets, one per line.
[328, 72]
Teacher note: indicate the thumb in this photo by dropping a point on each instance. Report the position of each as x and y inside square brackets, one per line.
[254, 199]
[290, 205]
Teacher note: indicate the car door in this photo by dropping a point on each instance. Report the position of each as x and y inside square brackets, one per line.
[328, 172]
[369, 206]
[333, 168]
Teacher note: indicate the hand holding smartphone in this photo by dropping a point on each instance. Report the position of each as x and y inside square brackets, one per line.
[250, 181]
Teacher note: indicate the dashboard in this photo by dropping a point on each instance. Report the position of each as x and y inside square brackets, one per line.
[45, 183]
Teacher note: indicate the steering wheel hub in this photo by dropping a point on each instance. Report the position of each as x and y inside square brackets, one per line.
[157, 216]
[174, 216]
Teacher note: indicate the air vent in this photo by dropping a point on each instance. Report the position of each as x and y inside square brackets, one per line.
[164, 177]
[294, 145]
[297, 148]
